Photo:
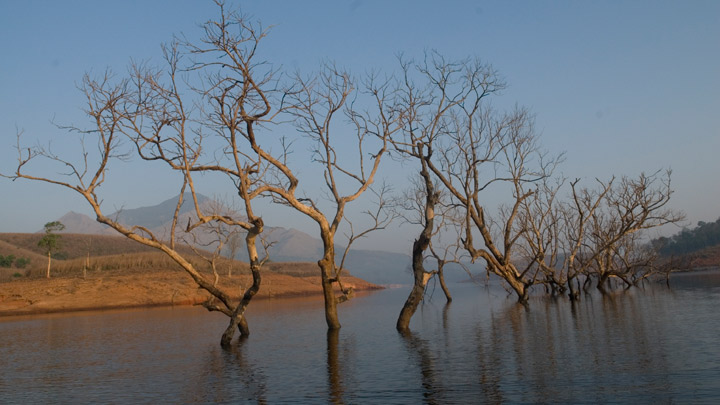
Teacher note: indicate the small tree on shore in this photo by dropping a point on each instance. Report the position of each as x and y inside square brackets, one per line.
[50, 242]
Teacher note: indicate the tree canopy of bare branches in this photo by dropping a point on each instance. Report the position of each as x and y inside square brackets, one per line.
[215, 107]
[472, 151]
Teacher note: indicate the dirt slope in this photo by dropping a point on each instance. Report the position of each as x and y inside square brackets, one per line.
[159, 288]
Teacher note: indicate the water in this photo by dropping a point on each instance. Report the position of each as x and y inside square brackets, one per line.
[652, 345]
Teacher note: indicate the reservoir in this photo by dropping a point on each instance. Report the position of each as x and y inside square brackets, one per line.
[654, 344]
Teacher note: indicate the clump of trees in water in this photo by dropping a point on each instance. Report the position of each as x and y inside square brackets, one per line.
[216, 109]
[551, 232]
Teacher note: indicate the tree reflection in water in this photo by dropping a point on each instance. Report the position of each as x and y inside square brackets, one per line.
[656, 345]
[228, 377]
[419, 350]
[336, 389]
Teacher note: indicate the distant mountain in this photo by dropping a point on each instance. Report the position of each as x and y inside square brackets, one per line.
[81, 223]
[293, 245]
[159, 215]
[290, 245]
[156, 217]
[382, 267]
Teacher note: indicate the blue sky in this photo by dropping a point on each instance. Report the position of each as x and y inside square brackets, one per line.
[620, 86]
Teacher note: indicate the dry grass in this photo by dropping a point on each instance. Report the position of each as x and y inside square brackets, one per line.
[77, 245]
[114, 255]
[107, 254]
[132, 263]
[137, 277]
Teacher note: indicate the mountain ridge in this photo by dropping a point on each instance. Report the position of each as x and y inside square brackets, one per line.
[290, 244]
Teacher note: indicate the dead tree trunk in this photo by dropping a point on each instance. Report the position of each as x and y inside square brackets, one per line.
[420, 245]
[421, 278]
[237, 319]
[520, 288]
[573, 292]
[327, 278]
[443, 285]
[602, 280]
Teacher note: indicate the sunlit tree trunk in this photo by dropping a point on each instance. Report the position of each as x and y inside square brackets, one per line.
[327, 279]
[420, 245]
[237, 319]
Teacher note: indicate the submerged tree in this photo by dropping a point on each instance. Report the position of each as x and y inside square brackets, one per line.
[597, 233]
[473, 150]
[603, 230]
[192, 126]
[213, 109]
[315, 104]
[426, 110]
[613, 247]
[50, 242]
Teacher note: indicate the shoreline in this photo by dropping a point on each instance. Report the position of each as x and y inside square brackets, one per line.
[137, 291]
[6, 315]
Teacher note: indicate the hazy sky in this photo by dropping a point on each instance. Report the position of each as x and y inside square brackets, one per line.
[620, 86]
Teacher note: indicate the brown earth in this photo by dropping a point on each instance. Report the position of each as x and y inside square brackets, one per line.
[113, 290]
[95, 272]
[706, 258]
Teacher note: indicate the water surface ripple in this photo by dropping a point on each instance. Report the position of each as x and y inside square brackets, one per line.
[651, 345]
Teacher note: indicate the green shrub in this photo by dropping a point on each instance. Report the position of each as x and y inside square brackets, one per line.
[22, 262]
[60, 255]
[6, 261]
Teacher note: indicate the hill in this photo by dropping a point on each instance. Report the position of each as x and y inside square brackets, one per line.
[156, 217]
[708, 257]
[695, 248]
[126, 274]
[289, 245]
[704, 235]
[77, 245]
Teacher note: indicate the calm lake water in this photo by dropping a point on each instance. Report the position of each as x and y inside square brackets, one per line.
[654, 345]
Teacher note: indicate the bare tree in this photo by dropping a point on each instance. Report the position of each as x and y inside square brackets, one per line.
[210, 111]
[423, 206]
[253, 100]
[420, 245]
[553, 232]
[192, 126]
[315, 103]
[598, 232]
[426, 110]
[614, 244]
[534, 238]
[472, 150]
